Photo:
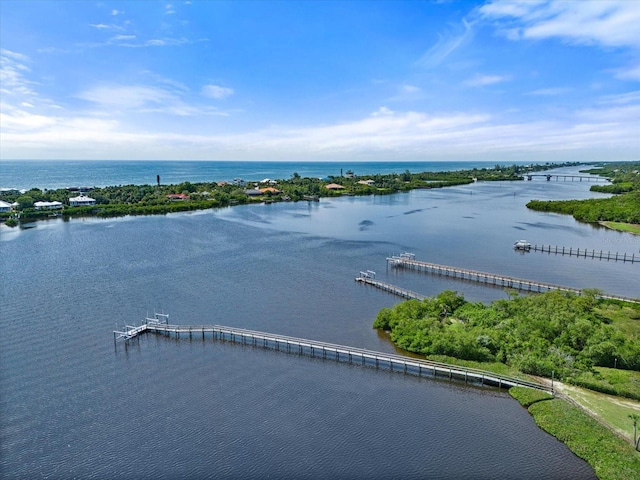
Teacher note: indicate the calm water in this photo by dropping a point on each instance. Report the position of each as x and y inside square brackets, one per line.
[101, 173]
[75, 406]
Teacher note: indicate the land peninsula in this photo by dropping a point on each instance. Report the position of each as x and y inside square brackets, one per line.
[587, 346]
[621, 211]
[159, 198]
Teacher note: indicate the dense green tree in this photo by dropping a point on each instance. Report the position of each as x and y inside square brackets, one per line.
[25, 201]
[539, 334]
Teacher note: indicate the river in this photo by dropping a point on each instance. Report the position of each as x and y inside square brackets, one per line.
[74, 405]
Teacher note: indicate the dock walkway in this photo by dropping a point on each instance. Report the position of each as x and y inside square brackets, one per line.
[408, 261]
[340, 353]
[387, 287]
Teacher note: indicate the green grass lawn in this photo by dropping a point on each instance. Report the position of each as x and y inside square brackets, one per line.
[623, 227]
[611, 457]
[612, 410]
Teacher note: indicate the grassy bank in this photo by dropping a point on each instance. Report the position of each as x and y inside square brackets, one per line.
[611, 410]
[611, 457]
[623, 227]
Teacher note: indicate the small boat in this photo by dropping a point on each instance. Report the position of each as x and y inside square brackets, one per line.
[522, 245]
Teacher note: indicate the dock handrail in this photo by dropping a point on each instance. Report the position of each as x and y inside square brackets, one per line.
[515, 282]
[351, 351]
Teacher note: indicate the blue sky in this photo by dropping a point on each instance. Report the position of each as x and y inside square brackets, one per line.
[320, 80]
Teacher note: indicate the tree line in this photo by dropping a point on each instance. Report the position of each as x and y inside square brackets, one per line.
[153, 199]
[553, 333]
[623, 206]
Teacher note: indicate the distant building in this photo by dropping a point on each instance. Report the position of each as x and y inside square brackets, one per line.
[239, 182]
[269, 190]
[334, 186]
[81, 201]
[253, 192]
[47, 205]
[4, 206]
[177, 197]
[366, 182]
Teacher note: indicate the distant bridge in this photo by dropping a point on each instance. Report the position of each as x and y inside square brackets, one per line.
[558, 176]
[341, 353]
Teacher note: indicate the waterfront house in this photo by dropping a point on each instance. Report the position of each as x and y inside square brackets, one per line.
[366, 182]
[334, 186]
[4, 206]
[253, 192]
[81, 201]
[47, 205]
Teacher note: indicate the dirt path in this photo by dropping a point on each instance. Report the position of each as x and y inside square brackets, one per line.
[591, 403]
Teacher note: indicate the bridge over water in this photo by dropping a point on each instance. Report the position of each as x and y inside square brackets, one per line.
[341, 353]
[558, 176]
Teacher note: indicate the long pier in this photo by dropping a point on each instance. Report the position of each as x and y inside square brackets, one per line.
[564, 177]
[340, 353]
[408, 261]
[585, 253]
[387, 287]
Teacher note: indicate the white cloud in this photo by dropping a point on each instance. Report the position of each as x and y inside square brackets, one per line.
[111, 125]
[611, 23]
[550, 92]
[104, 26]
[216, 91]
[628, 73]
[125, 96]
[115, 12]
[621, 99]
[118, 38]
[170, 98]
[446, 45]
[14, 55]
[409, 89]
[603, 132]
[12, 70]
[480, 80]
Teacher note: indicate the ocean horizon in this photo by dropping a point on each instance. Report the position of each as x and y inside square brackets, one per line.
[54, 174]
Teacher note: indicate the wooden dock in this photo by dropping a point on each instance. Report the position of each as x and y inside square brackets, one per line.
[387, 287]
[330, 351]
[585, 253]
[408, 261]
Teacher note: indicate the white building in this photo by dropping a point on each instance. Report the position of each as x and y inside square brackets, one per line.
[81, 201]
[4, 206]
[47, 205]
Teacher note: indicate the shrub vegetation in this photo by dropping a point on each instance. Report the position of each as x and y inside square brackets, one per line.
[553, 333]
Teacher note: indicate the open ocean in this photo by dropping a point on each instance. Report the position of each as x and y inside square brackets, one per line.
[53, 174]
